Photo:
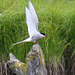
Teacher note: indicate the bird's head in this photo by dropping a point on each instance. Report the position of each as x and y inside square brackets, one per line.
[44, 35]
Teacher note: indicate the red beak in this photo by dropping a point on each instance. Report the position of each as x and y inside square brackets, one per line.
[46, 36]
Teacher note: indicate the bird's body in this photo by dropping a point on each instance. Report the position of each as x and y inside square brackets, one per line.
[32, 23]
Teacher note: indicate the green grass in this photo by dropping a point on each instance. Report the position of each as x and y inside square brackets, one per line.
[56, 19]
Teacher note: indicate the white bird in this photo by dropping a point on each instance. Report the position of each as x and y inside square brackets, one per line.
[32, 23]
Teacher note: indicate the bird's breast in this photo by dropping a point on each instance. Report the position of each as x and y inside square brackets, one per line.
[36, 37]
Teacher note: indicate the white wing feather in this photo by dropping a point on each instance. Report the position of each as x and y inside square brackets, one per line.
[34, 15]
[31, 20]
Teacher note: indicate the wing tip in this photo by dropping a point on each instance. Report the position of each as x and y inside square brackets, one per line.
[29, 1]
[25, 7]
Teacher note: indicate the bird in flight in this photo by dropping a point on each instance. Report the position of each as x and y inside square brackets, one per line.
[32, 23]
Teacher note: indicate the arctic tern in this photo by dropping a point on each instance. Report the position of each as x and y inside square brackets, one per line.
[32, 23]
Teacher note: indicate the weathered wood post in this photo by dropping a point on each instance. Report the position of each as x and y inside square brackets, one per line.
[35, 63]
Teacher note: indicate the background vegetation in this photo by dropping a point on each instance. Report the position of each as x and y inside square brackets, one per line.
[56, 20]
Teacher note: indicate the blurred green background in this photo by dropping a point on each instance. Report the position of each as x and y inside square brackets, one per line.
[56, 20]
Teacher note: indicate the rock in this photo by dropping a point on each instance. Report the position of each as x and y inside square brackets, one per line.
[18, 67]
[35, 63]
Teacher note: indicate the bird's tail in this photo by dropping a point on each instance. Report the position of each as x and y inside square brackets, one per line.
[17, 42]
[26, 40]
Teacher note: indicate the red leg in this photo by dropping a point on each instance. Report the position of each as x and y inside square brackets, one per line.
[36, 42]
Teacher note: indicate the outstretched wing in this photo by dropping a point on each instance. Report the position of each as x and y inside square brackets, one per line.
[31, 20]
[33, 12]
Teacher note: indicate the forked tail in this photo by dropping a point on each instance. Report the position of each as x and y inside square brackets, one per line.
[26, 40]
[18, 42]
